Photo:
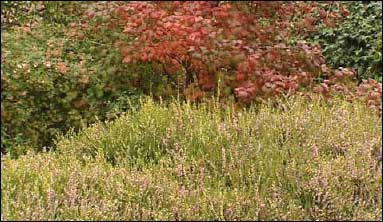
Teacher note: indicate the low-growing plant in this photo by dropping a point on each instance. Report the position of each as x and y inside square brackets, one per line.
[294, 159]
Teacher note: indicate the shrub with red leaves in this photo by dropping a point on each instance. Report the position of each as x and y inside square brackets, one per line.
[245, 45]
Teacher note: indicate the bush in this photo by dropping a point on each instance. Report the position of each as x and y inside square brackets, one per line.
[297, 159]
[237, 49]
[218, 55]
[50, 83]
[357, 41]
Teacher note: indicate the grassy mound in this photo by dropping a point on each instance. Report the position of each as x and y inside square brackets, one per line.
[304, 160]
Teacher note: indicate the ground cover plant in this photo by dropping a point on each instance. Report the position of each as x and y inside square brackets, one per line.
[302, 159]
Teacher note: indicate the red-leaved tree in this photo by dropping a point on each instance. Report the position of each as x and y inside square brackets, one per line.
[243, 48]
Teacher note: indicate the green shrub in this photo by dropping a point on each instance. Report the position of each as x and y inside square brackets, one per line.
[357, 41]
[296, 160]
[57, 77]
[50, 83]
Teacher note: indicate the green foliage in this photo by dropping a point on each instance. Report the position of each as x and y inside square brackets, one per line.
[296, 159]
[357, 41]
[50, 83]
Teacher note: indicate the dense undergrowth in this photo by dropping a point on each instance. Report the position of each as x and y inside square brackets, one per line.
[88, 134]
[303, 159]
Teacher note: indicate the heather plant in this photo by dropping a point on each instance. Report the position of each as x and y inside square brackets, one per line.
[296, 159]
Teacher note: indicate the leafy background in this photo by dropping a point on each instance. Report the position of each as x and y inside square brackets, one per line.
[357, 41]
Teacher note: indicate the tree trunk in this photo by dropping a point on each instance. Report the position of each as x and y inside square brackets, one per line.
[188, 78]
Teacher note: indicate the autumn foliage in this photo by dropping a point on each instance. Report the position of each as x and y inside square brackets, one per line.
[237, 48]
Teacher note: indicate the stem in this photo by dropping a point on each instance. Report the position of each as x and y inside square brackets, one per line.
[189, 74]
[171, 77]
